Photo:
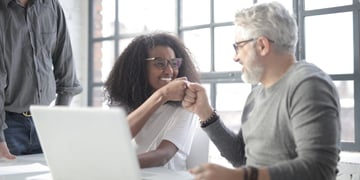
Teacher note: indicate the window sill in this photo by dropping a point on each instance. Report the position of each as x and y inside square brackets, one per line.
[350, 157]
[349, 166]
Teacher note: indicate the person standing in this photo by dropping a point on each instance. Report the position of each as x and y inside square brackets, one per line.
[36, 67]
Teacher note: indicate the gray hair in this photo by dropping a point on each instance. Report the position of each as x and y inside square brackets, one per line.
[271, 20]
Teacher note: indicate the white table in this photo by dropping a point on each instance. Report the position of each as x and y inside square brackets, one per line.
[33, 167]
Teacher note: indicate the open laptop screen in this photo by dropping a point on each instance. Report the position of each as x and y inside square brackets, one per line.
[86, 142]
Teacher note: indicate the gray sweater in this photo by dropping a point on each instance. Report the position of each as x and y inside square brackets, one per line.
[292, 128]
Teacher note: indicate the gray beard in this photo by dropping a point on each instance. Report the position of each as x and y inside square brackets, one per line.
[255, 71]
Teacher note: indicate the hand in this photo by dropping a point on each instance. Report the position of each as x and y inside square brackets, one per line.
[174, 90]
[211, 171]
[196, 101]
[4, 151]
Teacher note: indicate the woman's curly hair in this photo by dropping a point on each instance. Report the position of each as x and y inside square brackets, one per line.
[128, 85]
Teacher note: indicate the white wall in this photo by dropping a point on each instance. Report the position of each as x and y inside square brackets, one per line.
[76, 12]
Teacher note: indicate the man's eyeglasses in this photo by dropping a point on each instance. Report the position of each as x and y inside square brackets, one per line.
[241, 44]
[161, 63]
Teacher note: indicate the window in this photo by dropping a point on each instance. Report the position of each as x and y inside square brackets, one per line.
[332, 44]
[113, 24]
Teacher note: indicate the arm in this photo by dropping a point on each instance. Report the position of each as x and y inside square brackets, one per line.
[176, 127]
[4, 150]
[158, 157]
[173, 91]
[230, 145]
[3, 77]
[67, 84]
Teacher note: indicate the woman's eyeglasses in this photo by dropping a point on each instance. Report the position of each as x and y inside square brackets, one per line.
[161, 63]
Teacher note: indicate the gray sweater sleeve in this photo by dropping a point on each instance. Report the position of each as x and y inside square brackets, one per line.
[230, 145]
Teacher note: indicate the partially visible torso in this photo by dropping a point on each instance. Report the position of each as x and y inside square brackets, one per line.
[267, 125]
[28, 40]
[171, 123]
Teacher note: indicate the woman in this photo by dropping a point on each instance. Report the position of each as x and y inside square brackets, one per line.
[149, 80]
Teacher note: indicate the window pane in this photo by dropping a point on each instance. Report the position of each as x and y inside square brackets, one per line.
[123, 43]
[230, 101]
[286, 3]
[104, 18]
[313, 4]
[138, 16]
[225, 12]
[328, 47]
[346, 93]
[98, 97]
[231, 96]
[103, 60]
[198, 42]
[195, 12]
[224, 51]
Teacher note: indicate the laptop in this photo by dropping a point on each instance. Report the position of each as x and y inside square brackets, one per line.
[89, 143]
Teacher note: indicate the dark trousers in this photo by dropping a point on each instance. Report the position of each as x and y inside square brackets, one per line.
[21, 136]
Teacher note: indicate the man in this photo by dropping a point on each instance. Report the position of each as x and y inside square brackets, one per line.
[290, 123]
[36, 65]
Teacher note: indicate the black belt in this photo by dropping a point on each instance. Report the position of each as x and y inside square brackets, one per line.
[25, 114]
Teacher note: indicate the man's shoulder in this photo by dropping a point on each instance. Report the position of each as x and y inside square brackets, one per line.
[303, 70]
[306, 72]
